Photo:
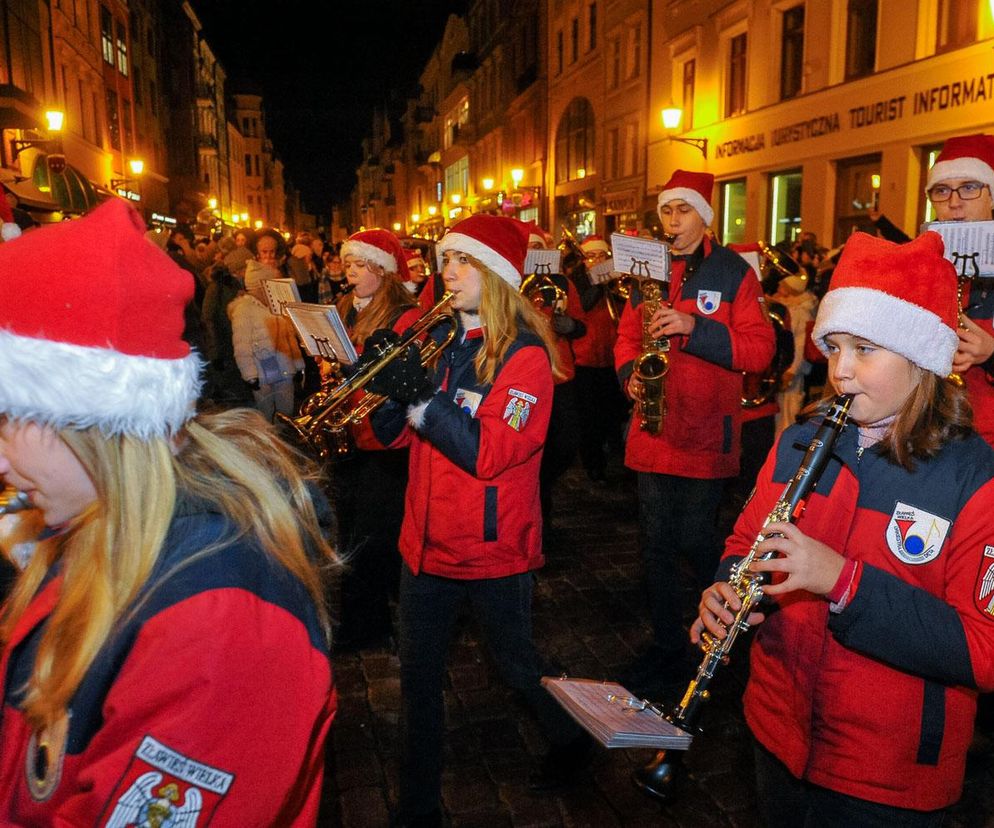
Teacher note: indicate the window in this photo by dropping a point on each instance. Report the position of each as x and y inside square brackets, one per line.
[785, 206]
[592, 24]
[575, 141]
[559, 53]
[107, 35]
[957, 24]
[113, 120]
[735, 91]
[857, 192]
[255, 158]
[248, 163]
[138, 85]
[732, 227]
[929, 154]
[153, 101]
[129, 142]
[612, 152]
[689, 74]
[614, 64]
[634, 65]
[861, 38]
[122, 49]
[457, 177]
[792, 52]
[574, 40]
[632, 150]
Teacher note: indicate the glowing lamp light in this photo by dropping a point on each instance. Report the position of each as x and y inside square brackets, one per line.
[672, 116]
[517, 174]
[396, 227]
[432, 210]
[455, 198]
[212, 203]
[488, 183]
[415, 218]
[244, 217]
[581, 172]
[55, 119]
[875, 179]
[258, 224]
[137, 166]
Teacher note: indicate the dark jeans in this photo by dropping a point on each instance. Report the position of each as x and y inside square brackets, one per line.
[602, 410]
[678, 518]
[561, 442]
[787, 802]
[428, 609]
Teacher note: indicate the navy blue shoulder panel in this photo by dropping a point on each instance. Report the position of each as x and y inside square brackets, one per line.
[723, 270]
[794, 443]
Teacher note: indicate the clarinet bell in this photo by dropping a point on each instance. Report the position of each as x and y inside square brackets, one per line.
[658, 778]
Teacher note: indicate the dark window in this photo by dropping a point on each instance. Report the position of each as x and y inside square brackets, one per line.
[559, 53]
[137, 84]
[122, 50]
[861, 38]
[248, 163]
[792, 52]
[592, 19]
[153, 101]
[575, 141]
[957, 21]
[113, 120]
[107, 35]
[689, 73]
[574, 40]
[129, 143]
[735, 102]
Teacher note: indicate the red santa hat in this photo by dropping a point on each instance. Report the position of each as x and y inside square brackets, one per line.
[95, 336]
[965, 157]
[595, 244]
[497, 242]
[694, 188]
[9, 229]
[899, 296]
[381, 247]
[412, 253]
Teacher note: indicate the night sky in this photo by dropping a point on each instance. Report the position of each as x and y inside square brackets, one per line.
[321, 81]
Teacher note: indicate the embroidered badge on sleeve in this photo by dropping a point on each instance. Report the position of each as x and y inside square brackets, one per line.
[163, 787]
[518, 408]
[708, 301]
[468, 401]
[984, 593]
[914, 535]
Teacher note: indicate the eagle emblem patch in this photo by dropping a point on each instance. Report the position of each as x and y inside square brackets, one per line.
[914, 535]
[518, 408]
[984, 595]
[163, 787]
[708, 301]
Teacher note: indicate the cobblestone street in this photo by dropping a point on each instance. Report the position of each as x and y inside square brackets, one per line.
[589, 621]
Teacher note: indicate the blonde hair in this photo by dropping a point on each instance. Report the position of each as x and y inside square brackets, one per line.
[503, 312]
[390, 296]
[233, 462]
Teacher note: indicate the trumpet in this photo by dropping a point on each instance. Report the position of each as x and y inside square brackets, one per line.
[323, 422]
[543, 291]
[657, 778]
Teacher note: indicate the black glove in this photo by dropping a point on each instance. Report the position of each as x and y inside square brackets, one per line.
[404, 379]
[563, 324]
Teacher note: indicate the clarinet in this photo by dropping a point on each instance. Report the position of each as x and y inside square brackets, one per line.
[657, 778]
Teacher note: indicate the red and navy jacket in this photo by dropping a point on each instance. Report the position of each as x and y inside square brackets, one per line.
[362, 432]
[877, 701]
[979, 379]
[472, 506]
[564, 344]
[209, 704]
[702, 428]
[595, 349]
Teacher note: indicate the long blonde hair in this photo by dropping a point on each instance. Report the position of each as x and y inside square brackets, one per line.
[503, 311]
[231, 461]
[390, 296]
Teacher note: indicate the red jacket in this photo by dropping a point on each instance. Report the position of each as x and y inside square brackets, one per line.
[980, 381]
[211, 703]
[701, 431]
[878, 701]
[472, 508]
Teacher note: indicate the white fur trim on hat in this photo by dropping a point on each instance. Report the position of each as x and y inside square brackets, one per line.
[899, 326]
[77, 386]
[484, 254]
[692, 197]
[595, 246]
[371, 253]
[964, 168]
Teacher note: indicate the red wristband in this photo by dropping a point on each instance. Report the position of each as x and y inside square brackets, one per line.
[842, 584]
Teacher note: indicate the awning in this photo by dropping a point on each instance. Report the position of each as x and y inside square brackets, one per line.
[28, 195]
[71, 190]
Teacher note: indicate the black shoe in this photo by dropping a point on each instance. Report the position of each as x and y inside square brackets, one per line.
[433, 819]
[562, 766]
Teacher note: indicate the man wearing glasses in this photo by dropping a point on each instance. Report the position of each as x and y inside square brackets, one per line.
[959, 187]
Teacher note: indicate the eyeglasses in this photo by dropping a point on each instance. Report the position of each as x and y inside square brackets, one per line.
[967, 192]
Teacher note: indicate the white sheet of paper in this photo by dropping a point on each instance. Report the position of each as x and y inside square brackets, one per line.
[322, 331]
[549, 260]
[641, 257]
[280, 293]
[602, 272]
[969, 245]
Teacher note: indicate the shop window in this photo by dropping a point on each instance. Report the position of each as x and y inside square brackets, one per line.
[861, 38]
[857, 194]
[785, 205]
[792, 52]
[735, 90]
[957, 24]
[928, 154]
[733, 211]
[575, 141]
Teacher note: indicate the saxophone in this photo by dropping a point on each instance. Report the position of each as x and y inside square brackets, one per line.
[652, 365]
[657, 778]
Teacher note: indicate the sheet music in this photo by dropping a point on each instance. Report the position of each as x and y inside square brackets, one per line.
[752, 257]
[613, 716]
[322, 331]
[969, 246]
[279, 294]
[549, 260]
[602, 273]
[641, 257]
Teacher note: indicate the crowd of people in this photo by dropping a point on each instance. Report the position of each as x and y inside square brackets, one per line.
[185, 564]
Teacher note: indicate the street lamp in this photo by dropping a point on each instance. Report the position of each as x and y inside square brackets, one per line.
[517, 175]
[55, 119]
[488, 183]
[136, 166]
[671, 120]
